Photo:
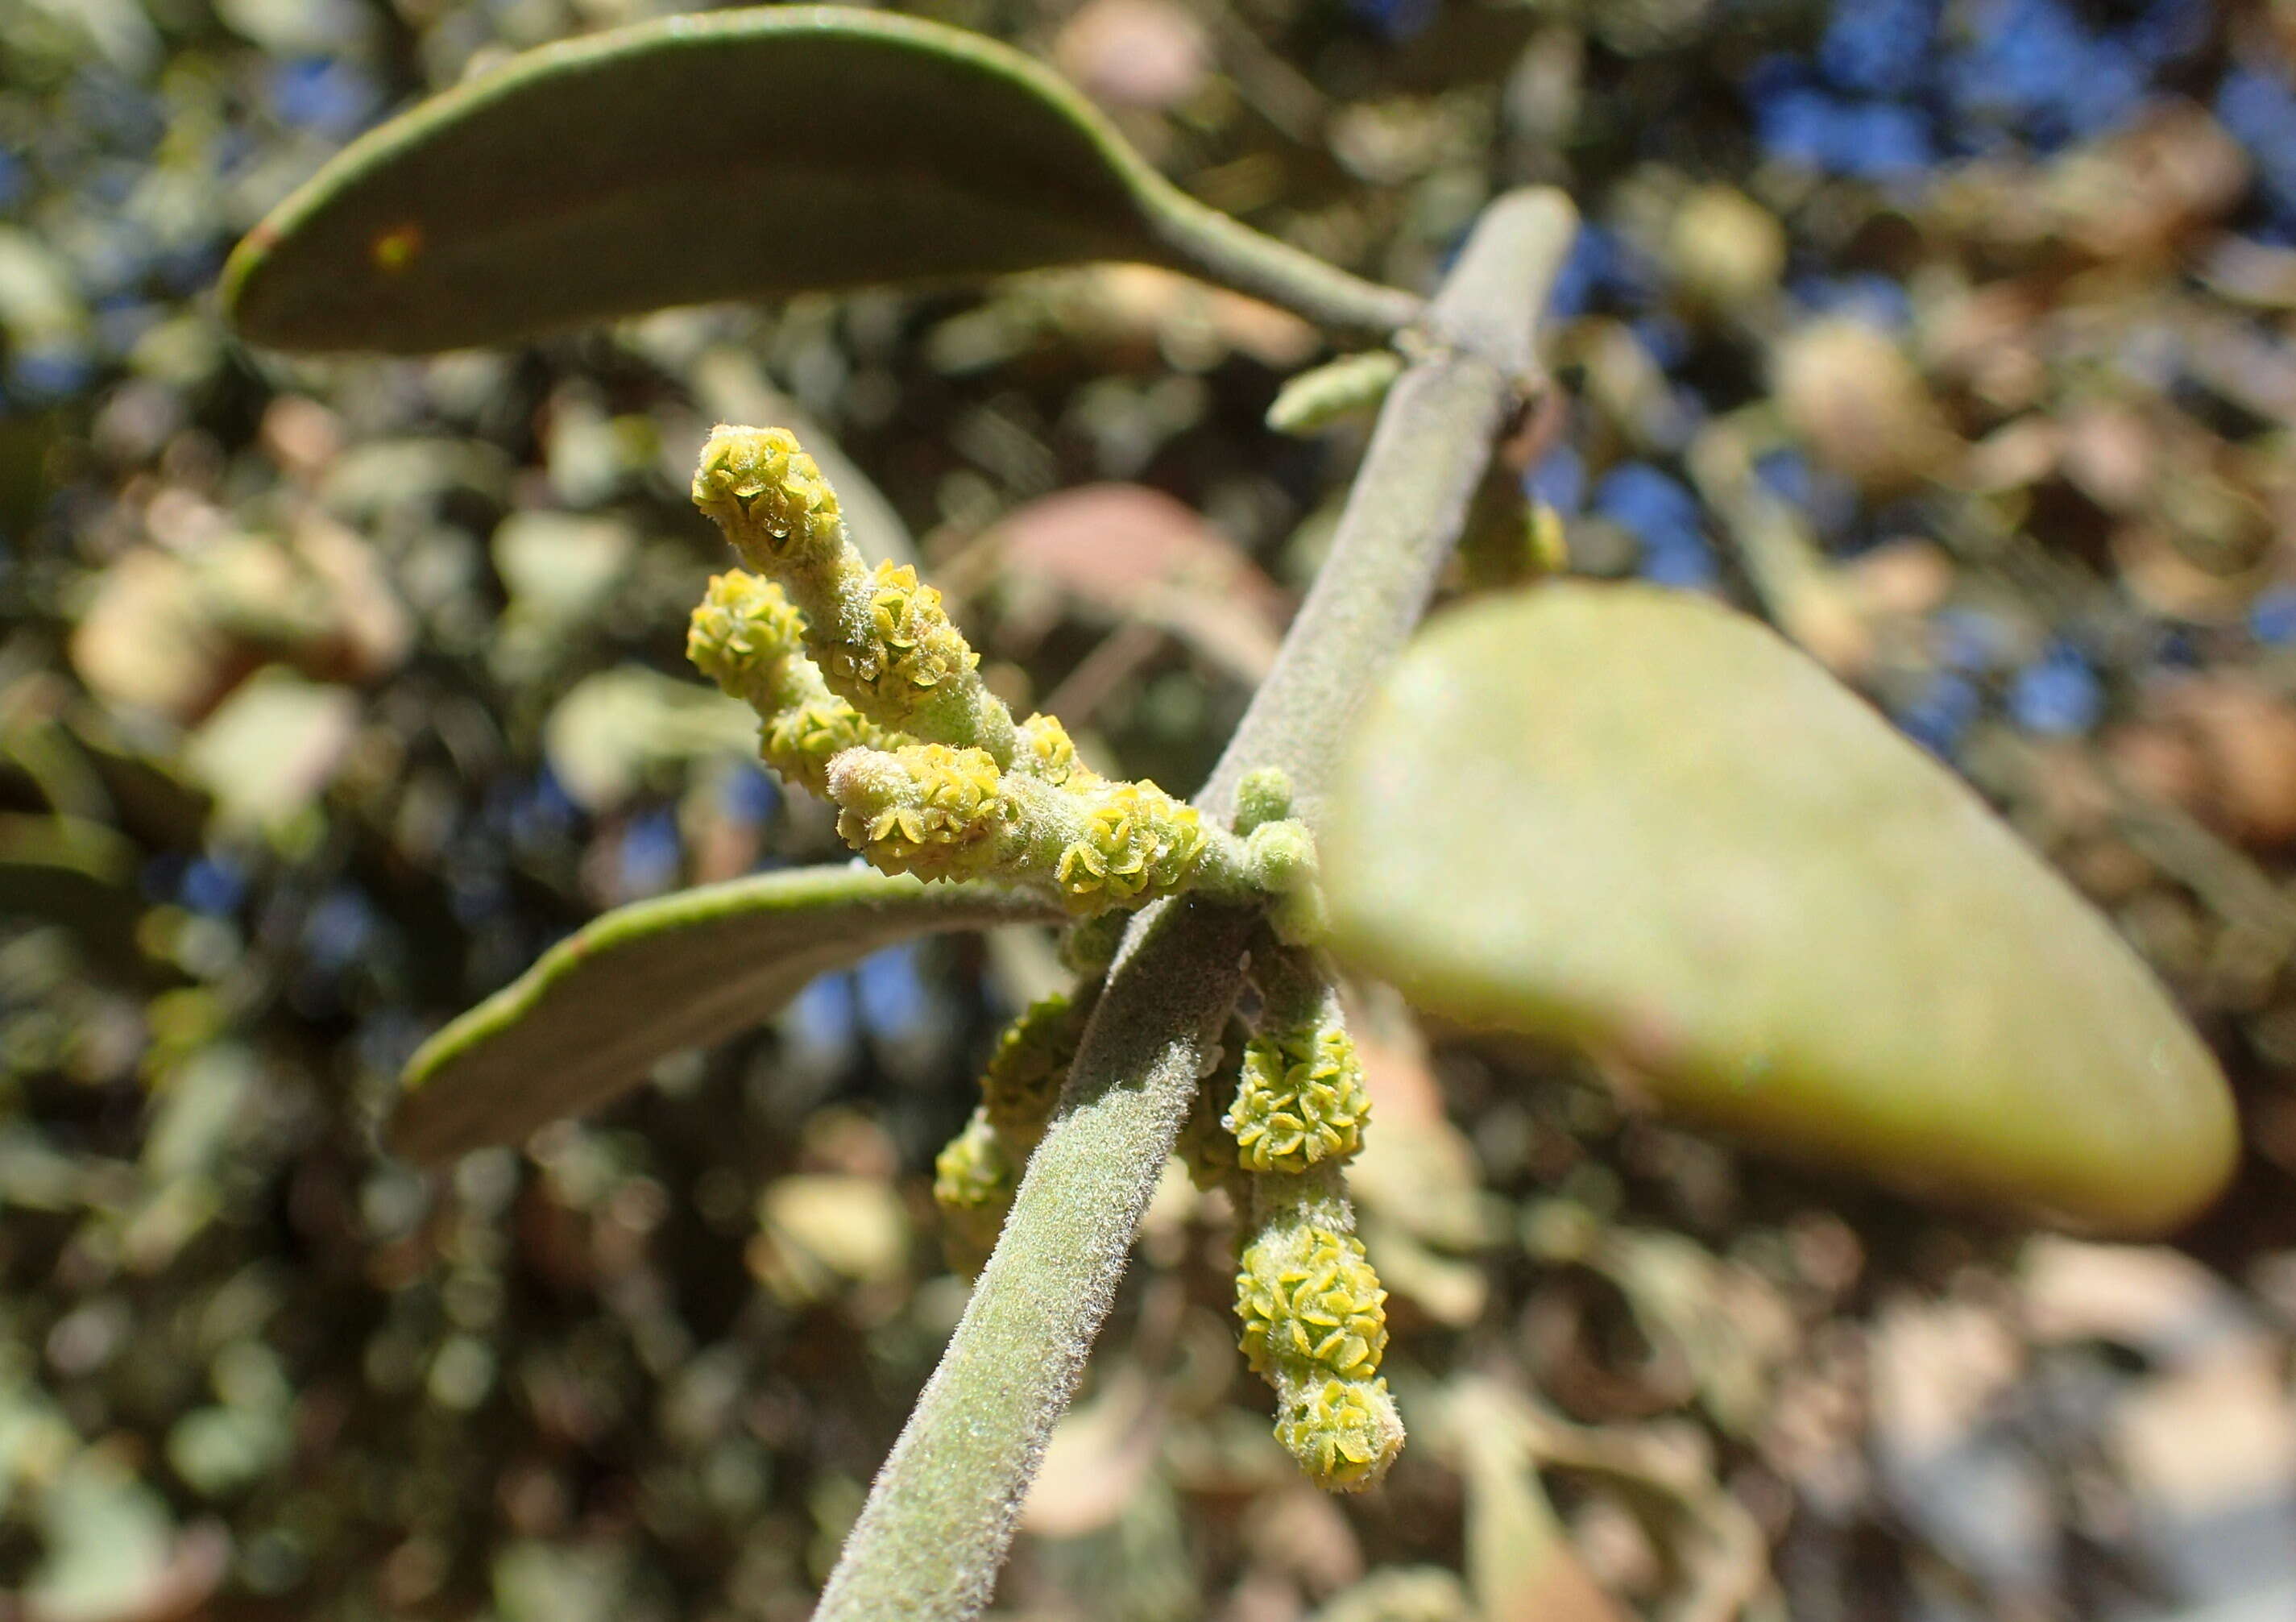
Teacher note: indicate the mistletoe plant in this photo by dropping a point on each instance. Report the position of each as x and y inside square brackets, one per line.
[1629, 818]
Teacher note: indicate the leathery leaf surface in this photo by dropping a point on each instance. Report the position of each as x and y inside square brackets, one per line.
[730, 155]
[600, 1008]
[1641, 822]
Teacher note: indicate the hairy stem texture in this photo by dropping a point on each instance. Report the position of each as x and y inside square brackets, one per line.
[942, 1511]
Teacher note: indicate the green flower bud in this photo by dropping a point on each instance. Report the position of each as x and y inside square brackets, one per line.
[1281, 857]
[1302, 1100]
[1263, 796]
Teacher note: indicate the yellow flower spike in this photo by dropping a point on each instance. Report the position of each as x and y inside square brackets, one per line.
[974, 1177]
[1137, 844]
[910, 652]
[1344, 1433]
[1047, 752]
[1031, 1063]
[746, 635]
[769, 496]
[925, 808]
[1312, 1312]
[1309, 1301]
[799, 742]
[1302, 1100]
[741, 632]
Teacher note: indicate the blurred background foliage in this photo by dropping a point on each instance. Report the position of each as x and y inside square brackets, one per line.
[1956, 336]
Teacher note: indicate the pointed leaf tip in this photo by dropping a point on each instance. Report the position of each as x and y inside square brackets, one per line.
[1638, 822]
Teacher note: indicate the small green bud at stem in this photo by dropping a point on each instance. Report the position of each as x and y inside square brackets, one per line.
[1350, 386]
[1263, 796]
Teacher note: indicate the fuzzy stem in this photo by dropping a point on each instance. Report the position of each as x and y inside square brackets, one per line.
[942, 1510]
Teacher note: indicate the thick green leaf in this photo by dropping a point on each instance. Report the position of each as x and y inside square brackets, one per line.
[737, 154]
[601, 1007]
[1635, 820]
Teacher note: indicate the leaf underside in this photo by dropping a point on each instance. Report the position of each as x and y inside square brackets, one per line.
[732, 155]
[598, 1009]
[1637, 821]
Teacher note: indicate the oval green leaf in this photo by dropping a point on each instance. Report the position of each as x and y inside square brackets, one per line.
[1634, 820]
[598, 1009]
[732, 155]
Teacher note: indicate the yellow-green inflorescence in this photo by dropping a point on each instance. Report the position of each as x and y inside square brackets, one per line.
[974, 1177]
[1313, 1315]
[871, 695]
[749, 639]
[1314, 1325]
[1301, 1099]
[977, 1175]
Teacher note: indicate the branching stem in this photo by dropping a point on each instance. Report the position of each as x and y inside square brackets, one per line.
[938, 1521]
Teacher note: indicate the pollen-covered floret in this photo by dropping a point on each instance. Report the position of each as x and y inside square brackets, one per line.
[1024, 1075]
[1302, 1100]
[800, 741]
[768, 496]
[1307, 1295]
[925, 808]
[910, 649]
[741, 632]
[1344, 1432]
[1047, 752]
[1138, 843]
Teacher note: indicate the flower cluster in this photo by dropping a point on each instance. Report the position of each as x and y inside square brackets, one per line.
[871, 695]
[978, 1173]
[1312, 1313]
[1314, 1325]
[974, 1179]
[1302, 1099]
[1025, 1073]
[748, 638]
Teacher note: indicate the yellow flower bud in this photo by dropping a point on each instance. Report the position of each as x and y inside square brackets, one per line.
[925, 808]
[909, 651]
[768, 496]
[1024, 1075]
[741, 632]
[1344, 1433]
[1302, 1100]
[1308, 1298]
[1138, 843]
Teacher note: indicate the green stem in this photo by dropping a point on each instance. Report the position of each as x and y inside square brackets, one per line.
[937, 1521]
[1208, 243]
